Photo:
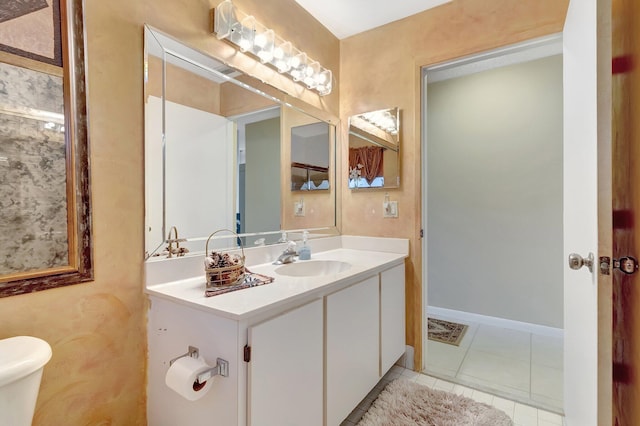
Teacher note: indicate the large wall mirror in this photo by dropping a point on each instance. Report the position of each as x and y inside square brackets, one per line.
[374, 149]
[218, 152]
[45, 224]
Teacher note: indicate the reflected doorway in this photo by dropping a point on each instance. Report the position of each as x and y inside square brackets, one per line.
[259, 197]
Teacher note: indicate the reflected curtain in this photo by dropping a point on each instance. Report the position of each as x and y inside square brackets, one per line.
[369, 160]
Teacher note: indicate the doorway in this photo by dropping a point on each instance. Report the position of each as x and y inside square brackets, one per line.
[493, 194]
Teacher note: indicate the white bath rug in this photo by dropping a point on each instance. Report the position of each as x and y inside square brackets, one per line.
[405, 403]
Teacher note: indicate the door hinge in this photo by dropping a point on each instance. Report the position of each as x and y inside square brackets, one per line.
[422, 233]
[627, 264]
[247, 353]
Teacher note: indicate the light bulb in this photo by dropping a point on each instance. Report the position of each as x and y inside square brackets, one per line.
[260, 40]
[265, 56]
[310, 82]
[244, 44]
[324, 78]
[282, 53]
[282, 66]
[308, 71]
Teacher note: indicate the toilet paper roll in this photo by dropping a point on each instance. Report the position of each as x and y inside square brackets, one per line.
[182, 378]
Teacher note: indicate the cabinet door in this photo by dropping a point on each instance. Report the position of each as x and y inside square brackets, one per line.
[392, 317]
[285, 371]
[352, 333]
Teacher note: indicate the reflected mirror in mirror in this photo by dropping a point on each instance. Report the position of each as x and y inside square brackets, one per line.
[374, 149]
[215, 143]
[310, 157]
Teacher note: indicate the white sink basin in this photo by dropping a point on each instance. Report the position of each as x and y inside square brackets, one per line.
[312, 268]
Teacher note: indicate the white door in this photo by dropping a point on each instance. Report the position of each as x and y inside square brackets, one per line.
[586, 109]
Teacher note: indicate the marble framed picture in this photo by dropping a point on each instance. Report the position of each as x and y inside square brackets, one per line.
[45, 203]
[33, 171]
[32, 29]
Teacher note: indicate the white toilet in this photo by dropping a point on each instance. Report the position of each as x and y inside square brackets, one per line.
[22, 360]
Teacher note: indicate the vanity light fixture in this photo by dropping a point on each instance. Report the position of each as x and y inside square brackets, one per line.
[249, 35]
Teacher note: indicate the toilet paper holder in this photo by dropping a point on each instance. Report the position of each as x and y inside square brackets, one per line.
[220, 369]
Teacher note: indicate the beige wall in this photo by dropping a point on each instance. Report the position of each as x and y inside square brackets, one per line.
[381, 69]
[97, 330]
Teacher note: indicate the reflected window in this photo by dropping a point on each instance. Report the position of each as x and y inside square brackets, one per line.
[364, 183]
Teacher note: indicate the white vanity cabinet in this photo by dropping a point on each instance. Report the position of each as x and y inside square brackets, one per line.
[364, 319]
[285, 378]
[392, 316]
[313, 357]
[352, 330]
[173, 327]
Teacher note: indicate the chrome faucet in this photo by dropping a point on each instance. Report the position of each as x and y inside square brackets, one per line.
[289, 255]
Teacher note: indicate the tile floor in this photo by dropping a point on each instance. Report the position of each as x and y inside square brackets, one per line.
[522, 415]
[513, 364]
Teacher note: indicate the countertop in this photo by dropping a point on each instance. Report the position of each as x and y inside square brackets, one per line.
[245, 303]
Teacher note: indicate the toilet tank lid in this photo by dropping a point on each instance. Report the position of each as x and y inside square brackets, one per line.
[21, 356]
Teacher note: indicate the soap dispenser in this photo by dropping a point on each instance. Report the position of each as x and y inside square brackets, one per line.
[304, 253]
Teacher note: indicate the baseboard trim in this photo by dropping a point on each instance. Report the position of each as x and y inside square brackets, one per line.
[496, 322]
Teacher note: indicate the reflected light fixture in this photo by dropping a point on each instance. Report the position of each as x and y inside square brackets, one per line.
[384, 119]
[249, 35]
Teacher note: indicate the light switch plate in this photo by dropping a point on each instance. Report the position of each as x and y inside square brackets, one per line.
[298, 208]
[390, 209]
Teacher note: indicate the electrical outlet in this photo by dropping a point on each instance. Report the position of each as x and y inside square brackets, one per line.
[390, 209]
[298, 208]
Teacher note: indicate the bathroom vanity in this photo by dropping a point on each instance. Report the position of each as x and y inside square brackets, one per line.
[303, 349]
